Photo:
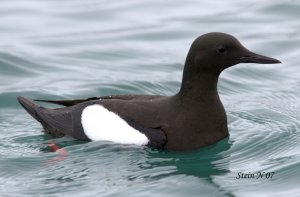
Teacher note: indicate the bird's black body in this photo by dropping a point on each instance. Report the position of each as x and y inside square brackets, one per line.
[193, 118]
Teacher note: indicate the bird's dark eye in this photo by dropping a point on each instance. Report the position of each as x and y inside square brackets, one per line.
[221, 49]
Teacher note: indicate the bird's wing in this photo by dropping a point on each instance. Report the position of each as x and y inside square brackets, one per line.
[68, 103]
[68, 121]
[155, 134]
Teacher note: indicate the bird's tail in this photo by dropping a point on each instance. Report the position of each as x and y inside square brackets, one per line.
[30, 107]
[37, 113]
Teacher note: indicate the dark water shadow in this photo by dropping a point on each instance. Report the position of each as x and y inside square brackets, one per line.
[202, 163]
[205, 163]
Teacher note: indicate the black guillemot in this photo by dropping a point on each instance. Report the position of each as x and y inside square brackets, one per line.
[191, 119]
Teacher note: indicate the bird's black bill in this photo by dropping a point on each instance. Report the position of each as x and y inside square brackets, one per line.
[256, 58]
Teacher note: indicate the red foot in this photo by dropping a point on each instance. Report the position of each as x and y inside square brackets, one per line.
[53, 147]
[62, 154]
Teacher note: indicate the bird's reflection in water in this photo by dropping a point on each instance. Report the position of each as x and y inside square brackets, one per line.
[204, 163]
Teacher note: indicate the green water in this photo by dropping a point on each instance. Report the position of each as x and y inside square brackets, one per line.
[84, 48]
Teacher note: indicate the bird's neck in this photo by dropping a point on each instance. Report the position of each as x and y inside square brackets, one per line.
[198, 85]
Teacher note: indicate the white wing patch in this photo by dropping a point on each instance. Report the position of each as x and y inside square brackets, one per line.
[100, 124]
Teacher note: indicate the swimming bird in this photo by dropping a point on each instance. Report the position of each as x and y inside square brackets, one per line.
[191, 119]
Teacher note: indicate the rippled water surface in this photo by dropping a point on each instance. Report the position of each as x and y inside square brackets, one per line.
[78, 49]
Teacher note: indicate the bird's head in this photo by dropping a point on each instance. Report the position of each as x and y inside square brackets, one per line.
[218, 51]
